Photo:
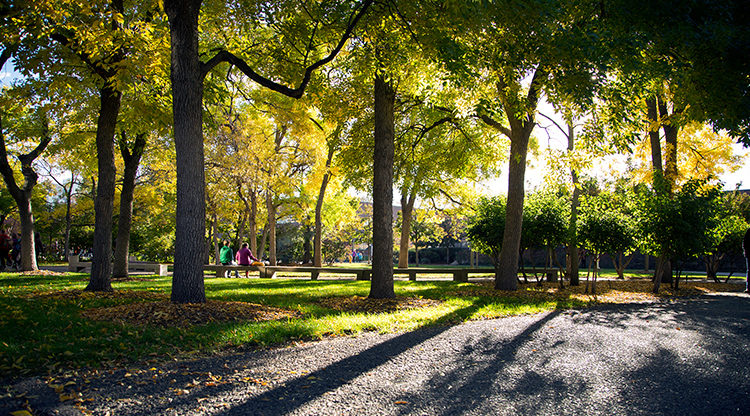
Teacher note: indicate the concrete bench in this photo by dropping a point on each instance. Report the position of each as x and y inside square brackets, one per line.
[459, 274]
[77, 266]
[74, 265]
[157, 268]
[361, 274]
[551, 274]
[268, 272]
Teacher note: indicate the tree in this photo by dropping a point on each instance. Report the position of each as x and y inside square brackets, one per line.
[187, 75]
[22, 194]
[533, 48]
[545, 223]
[382, 190]
[487, 227]
[606, 228]
[727, 242]
[100, 47]
[677, 226]
[132, 158]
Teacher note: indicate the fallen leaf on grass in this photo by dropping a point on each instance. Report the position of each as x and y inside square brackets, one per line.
[78, 294]
[607, 291]
[168, 314]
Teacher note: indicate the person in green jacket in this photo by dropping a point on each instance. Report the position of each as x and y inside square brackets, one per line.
[226, 255]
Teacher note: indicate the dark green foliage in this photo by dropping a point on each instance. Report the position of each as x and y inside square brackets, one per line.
[545, 220]
[486, 229]
[679, 226]
[334, 248]
[604, 227]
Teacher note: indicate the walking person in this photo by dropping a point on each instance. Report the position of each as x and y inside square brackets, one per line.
[746, 253]
[226, 255]
[244, 255]
[15, 252]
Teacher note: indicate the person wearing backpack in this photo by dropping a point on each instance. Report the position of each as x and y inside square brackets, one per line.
[226, 256]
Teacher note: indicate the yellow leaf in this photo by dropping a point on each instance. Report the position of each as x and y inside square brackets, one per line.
[21, 413]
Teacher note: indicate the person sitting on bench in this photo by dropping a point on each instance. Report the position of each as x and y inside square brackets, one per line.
[244, 255]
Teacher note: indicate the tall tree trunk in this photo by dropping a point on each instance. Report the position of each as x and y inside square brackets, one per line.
[215, 233]
[271, 208]
[572, 266]
[507, 277]
[101, 261]
[407, 210]
[253, 223]
[318, 244]
[381, 286]
[241, 230]
[187, 106]
[68, 215]
[263, 240]
[132, 159]
[519, 112]
[653, 133]
[671, 130]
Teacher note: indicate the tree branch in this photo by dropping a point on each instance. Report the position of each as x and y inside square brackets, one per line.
[495, 124]
[226, 56]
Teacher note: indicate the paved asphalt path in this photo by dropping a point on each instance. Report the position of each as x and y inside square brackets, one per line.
[685, 357]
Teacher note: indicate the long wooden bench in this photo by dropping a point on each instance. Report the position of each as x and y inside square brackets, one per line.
[75, 265]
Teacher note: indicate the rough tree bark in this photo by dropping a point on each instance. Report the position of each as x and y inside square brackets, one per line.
[101, 261]
[381, 286]
[187, 105]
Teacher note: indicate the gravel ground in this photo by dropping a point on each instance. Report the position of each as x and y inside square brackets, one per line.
[686, 357]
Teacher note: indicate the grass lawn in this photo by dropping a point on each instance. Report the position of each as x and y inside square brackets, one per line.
[49, 324]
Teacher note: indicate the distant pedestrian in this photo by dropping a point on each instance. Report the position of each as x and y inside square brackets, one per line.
[746, 252]
[226, 255]
[15, 252]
